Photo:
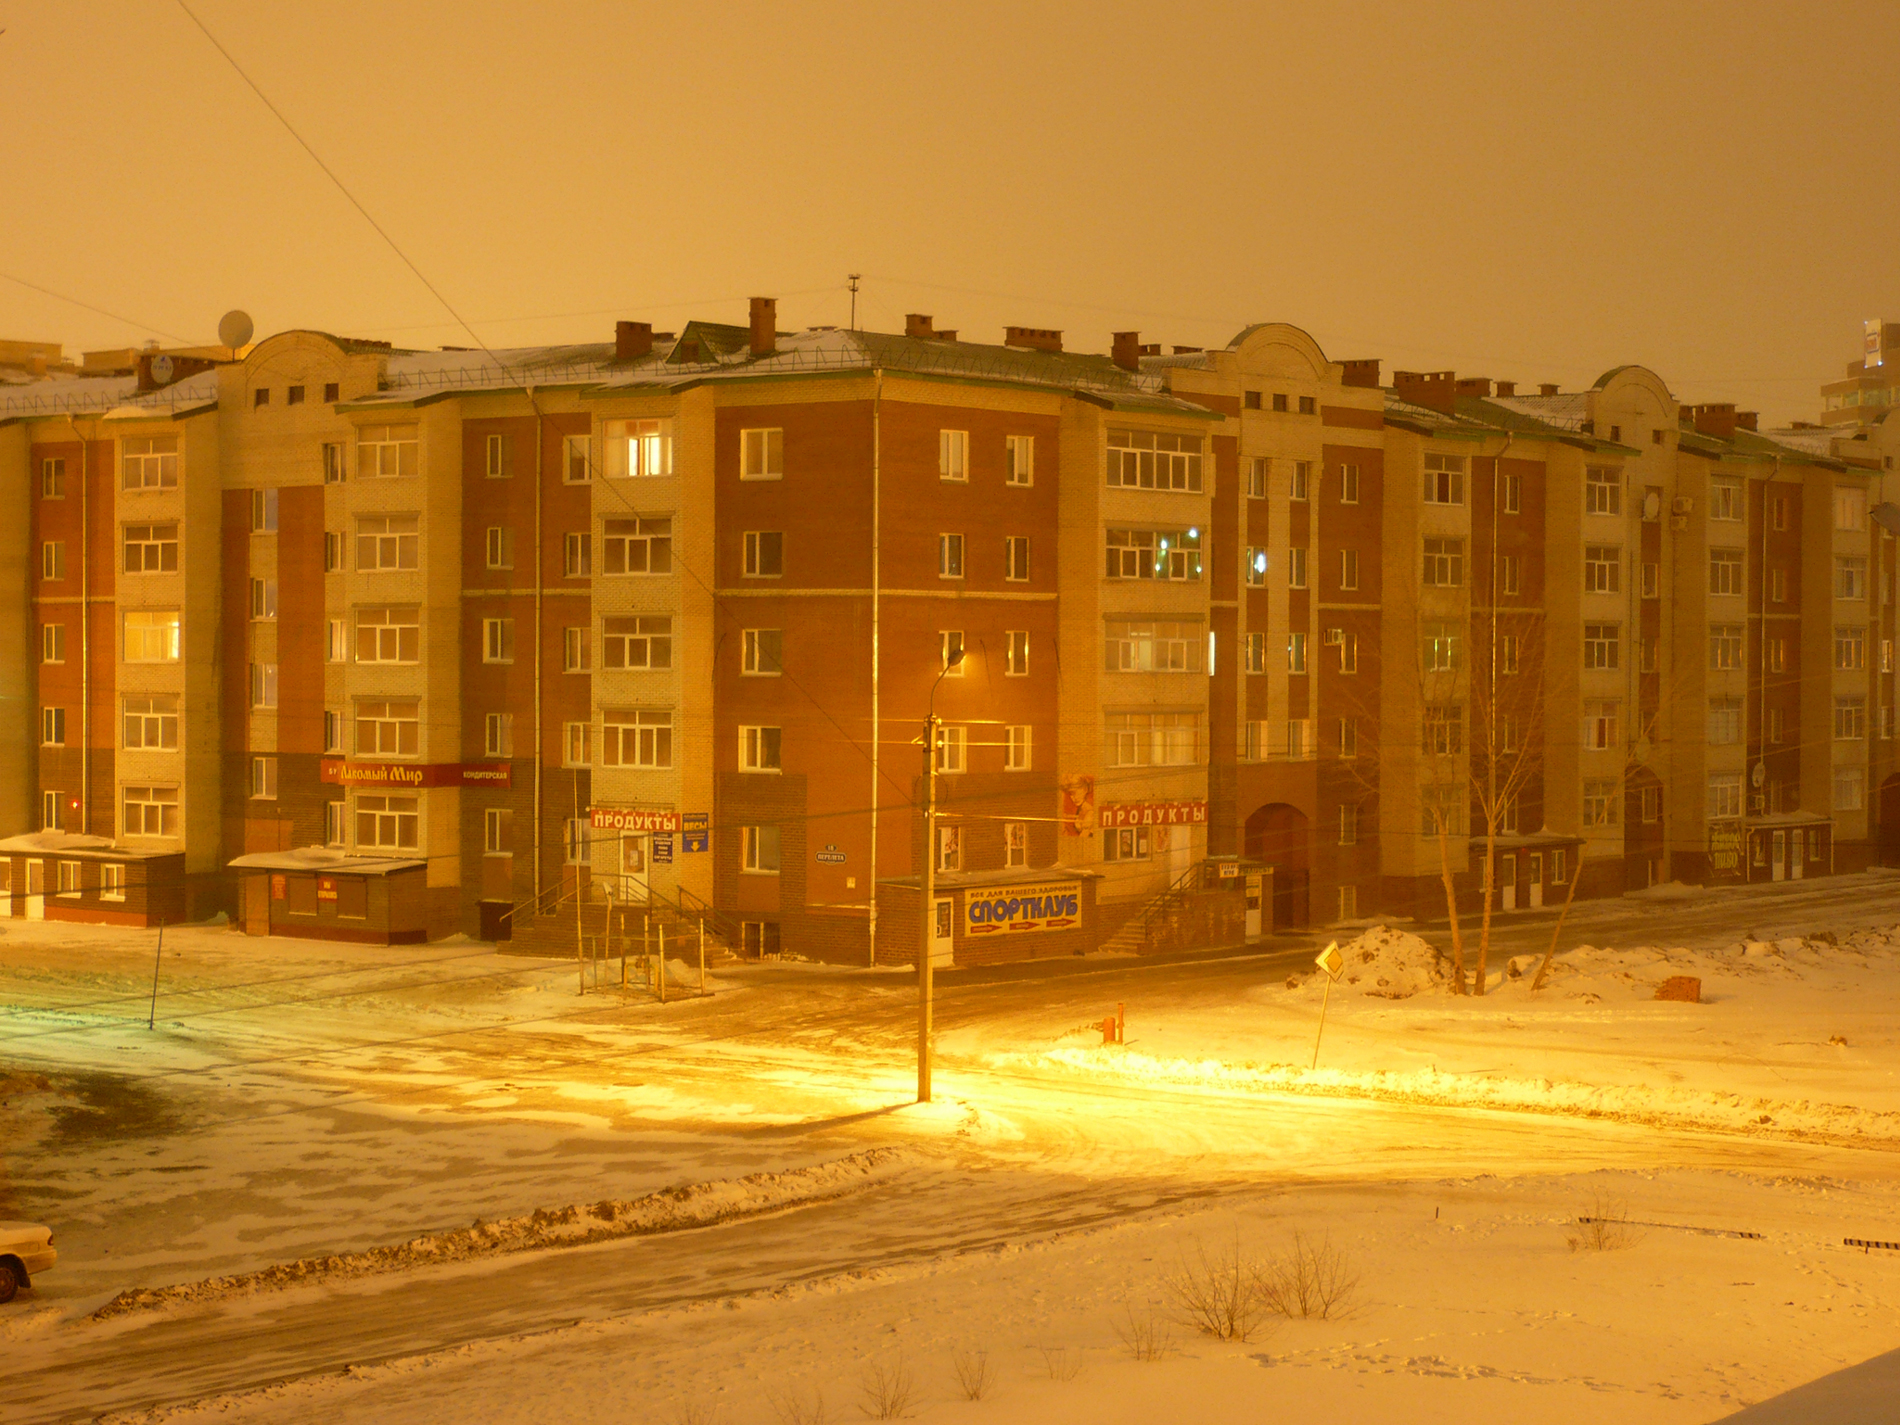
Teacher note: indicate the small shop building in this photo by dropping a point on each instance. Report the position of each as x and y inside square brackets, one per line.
[59, 875]
[987, 917]
[317, 893]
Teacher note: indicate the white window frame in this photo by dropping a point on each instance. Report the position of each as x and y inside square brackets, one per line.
[762, 453]
[1019, 460]
[953, 456]
[761, 749]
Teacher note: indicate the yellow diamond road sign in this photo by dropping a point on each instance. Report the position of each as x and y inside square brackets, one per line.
[1331, 961]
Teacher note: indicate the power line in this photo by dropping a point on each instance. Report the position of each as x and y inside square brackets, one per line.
[88, 306]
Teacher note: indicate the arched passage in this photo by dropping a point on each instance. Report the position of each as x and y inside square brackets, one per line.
[1890, 821]
[1278, 835]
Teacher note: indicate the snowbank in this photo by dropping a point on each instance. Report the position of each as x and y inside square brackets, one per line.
[1387, 964]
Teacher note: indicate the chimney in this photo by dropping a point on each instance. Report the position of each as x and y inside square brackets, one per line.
[1435, 390]
[632, 340]
[1127, 350]
[1747, 419]
[950, 335]
[1150, 348]
[1507, 388]
[1479, 386]
[1362, 372]
[1716, 420]
[1188, 350]
[1547, 388]
[917, 326]
[1034, 338]
[764, 325]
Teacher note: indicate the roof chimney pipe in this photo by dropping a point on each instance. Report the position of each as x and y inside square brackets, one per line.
[1507, 388]
[764, 325]
[1546, 388]
[1127, 350]
[1363, 371]
[917, 326]
[1034, 338]
[1435, 390]
[632, 340]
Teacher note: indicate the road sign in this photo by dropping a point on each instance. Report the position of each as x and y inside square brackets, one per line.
[1331, 961]
[831, 855]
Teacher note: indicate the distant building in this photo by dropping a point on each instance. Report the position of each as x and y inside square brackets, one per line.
[1868, 392]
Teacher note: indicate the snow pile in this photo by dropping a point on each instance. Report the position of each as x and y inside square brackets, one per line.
[1593, 973]
[671, 1210]
[1388, 964]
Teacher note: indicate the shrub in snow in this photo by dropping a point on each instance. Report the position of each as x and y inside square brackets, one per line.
[1220, 1295]
[796, 1407]
[1312, 1279]
[884, 1390]
[974, 1376]
[1144, 1333]
[1604, 1228]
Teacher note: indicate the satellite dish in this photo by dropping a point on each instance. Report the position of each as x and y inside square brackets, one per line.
[162, 369]
[1758, 776]
[234, 329]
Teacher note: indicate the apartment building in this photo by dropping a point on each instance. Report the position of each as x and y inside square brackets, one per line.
[378, 644]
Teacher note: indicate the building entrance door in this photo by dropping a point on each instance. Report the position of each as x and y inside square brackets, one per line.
[1537, 879]
[1507, 880]
[943, 934]
[636, 856]
[1253, 905]
[257, 905]
[36, 890]
[1797, 858]
[1778, 859]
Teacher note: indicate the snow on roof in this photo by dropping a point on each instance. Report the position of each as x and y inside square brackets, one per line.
[1566, 411]
[324, 858]
[97, 395]
[71, 843]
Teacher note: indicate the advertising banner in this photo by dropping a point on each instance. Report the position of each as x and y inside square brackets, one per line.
[1053, 905]
[414, 774]
[632, 819]
[1154, 814]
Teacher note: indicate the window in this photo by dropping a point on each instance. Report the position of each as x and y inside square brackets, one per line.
[1616, 433]
[1507, 652]
[953, 455]
[1253, 742]
[151, 722]
[952, 744]
[1725, 721]
[1019, 459]
[1513, 493]
[1850, 788]
[1279, 401]
[1349, 484]
[389, 822]
[496, 461]
[333, 725]
[1652, 580]
[764, 652]
[1441, 808]
[1302, 477]
[1256, 653]
[1777, 655]
[1346, 733]
[148, 462]
[1600, 644]
[501, 547]
[1255, 569]
[759, 849]
[1850, 719]
[576, 555]
[1015, 843]
[263, 685]
[1299, 739]
[1296, 653]
[1017, 661]
[642, 642]
[1444, 730]
[1016, 557]
[1348, 645]
[576, 841]
[1250, 400]
[1600, 718]
[53, 559]
[1725, 646]
[1725, 571]
[498, 640]
[263, 599]
[336, 644]
[1444, 479]
[759, 939]
[1650, 799]
[1507, 734]
[1016, 753]
[52, 808]
[1850, 577]
[383, 452]
[1725, 499]
[577, 744]
[576, 650]
[1296, 567]
[1154, 554]
[1602, 569]
[151, 636]
[637, 737]
[53, 478]
[260, 398]
[1886, 655]
[1444, 563]
[1125, 843]
[498, 735]
[762, 454]
[949, 651]
[52, 643]
[1152, 646]
[645, 546]
[151, 811]
[1348, 824]
[1601, 801]
[389, 635]
[1444, 647]
[111, 881]
[949, 847]
[1602, 490]
[759, 749]
[1850, 648]
[264, 777]
[1152, 739]
[1725, 794]
[1508, 572]
[1309, 405]
[1850, 508]
[1779, 511]
[52, 727]
[1348, 570]
[497, 822]
[151, 548]
[1153, 460]
[69, 878]
[1257, 470]
[949, 556]
[334, 544]
[333, 470]
[263, 512]
[635, 449]
[387, 541]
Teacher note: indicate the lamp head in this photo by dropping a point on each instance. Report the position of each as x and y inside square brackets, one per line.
[956, 657]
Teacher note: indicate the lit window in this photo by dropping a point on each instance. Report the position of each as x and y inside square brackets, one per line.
[151, 636]
[637, 449]
[1153, 646]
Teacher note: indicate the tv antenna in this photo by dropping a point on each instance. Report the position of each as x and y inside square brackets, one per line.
[852, 277]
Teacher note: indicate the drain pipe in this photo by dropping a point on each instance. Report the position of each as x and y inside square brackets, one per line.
[85, 629]
[540, 446]
[877, 529]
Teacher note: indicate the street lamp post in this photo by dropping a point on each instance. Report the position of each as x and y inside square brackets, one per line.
[928, 919]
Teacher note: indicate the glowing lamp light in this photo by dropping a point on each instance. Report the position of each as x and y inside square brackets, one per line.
[1194, 534]
[1260, 563]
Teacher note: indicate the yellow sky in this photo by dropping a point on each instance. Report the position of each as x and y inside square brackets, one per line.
[1532, 192]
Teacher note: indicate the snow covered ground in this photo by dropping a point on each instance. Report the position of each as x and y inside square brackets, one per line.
[295, 1102]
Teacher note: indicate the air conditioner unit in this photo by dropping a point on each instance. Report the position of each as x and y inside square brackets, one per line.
[1682, 505]
[1335, 636]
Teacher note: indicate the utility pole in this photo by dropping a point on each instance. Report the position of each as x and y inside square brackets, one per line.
[929, 918]
[853, 279]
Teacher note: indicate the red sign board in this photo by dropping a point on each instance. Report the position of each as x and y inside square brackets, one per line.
[415, 774]
[1154, 814]
[632, 819]
[326, 888]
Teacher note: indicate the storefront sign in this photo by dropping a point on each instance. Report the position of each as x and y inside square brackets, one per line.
[1054, 905]
[632, 819]
[415, 774]
[277, 888]
[695, 834]
[326, 888]
[663, 850]
[1154, 814]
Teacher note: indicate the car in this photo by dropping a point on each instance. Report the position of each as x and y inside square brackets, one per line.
[26, 1249]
